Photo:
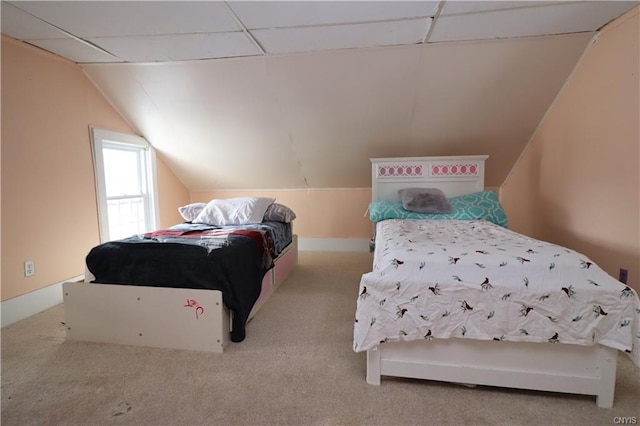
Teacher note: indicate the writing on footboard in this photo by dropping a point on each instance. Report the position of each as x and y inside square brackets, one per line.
[199, 309]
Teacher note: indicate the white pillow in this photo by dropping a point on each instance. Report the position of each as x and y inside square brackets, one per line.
[234, 211]
[191, 211]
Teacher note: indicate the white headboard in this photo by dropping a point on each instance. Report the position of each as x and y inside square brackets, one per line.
[453, 175]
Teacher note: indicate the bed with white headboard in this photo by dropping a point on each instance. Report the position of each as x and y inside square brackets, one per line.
[570, 368]
[453, 175]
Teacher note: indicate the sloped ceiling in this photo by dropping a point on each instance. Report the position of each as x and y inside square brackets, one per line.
[264, 95]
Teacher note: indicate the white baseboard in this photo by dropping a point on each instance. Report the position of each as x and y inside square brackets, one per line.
[26, 305]
[333, 244]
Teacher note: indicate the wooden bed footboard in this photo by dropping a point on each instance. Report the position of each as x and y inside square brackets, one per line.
[176, 318]
[146, 316]
[584, 370]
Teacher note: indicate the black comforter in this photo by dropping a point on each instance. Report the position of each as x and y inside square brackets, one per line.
[235, 267]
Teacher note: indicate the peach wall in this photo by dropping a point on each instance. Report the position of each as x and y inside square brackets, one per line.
[577, 184]
[171, 195]
[49, 212]
[326, 213]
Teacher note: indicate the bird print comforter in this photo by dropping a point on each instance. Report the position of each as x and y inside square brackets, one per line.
[437, 279]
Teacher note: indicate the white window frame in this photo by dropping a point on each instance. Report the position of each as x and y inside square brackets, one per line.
[100, 137]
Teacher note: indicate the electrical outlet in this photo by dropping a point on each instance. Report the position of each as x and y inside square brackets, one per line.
[29, 268]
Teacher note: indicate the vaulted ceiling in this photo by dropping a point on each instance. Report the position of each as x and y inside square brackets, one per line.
[267, 94]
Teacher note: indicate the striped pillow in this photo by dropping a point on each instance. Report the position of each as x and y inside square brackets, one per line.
[279, 213]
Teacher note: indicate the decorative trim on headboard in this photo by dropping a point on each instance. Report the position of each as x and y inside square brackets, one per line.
[404, 170]
[449, 168]
[454, 175]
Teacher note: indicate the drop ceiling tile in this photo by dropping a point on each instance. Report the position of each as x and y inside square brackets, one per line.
[457, 7]
[292, 40]
[74, 50]
[557, 19]
[178, 47]
[273, 14]
[122, 18]
[21, 25]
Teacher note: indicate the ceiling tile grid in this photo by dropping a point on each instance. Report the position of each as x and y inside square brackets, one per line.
[310, 39]
[166, 31]
[560, 18]
[177, 47]
[283, 14]
[132, 18]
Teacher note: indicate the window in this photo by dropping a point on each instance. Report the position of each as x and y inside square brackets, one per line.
[125, 183]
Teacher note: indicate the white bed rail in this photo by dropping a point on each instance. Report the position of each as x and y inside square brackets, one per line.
[584, 370]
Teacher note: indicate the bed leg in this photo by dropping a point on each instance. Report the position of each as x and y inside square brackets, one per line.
[373, 366]
[607, 362]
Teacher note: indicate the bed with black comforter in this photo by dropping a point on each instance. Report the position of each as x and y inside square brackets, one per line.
[231, 259]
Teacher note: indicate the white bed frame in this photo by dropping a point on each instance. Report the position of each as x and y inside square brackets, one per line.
[175, 318]
[586, 370]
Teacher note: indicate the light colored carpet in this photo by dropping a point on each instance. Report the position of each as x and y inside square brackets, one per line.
[295, 367]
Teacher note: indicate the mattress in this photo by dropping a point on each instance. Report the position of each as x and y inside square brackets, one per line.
[475, 280]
